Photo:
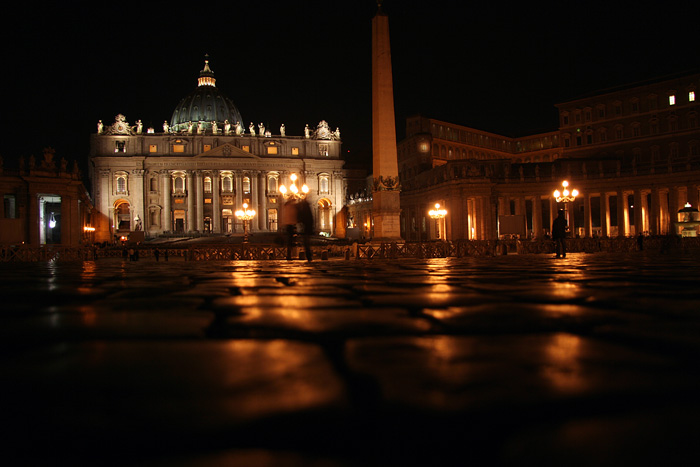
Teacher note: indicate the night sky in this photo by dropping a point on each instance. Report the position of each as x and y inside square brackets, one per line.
[491, 66]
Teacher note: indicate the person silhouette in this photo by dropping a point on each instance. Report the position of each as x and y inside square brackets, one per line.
[289, 223]
[559, 234]
[306, 218]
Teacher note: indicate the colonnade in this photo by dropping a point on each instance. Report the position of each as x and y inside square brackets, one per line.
[477, 213]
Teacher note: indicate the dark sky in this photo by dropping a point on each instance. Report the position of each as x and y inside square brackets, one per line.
[491, 66]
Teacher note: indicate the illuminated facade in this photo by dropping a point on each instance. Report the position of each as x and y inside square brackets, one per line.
[191, 176]
[633, 154]
[44, 203]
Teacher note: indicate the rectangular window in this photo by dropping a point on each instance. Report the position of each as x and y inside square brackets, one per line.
[152, 148]
[207, 147]
[10, 206]
[246, 148]
[671, 100]
[272, 150]
[323, 149]
[691, 96]
[295, 151]
[178, 148]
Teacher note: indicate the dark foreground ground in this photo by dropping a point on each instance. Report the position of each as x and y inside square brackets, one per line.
[510, 360]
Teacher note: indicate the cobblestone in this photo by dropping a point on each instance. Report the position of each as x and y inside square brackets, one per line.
[588, 360]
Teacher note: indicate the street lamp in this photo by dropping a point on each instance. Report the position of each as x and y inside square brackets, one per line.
[293, 191]
[437, 214]
[565, 196]
[245, 215]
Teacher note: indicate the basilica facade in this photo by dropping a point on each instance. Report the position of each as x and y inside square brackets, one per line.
[194, 173]
[632, 154]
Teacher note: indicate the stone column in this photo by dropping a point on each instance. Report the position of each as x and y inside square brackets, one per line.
[138, 209]
[587, 220]
[638, 212]
[105, 214]
[167, 223]
[553, 213]
[254, 200]
[622, 214]
[604, 215]
[199, 197]
[216, 202]
[238, 204]
[571, 208]
[673, 207]
[191, 190]
[655, 212]
[536, 217]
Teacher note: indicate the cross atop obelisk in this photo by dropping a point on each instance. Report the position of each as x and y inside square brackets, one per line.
[385, 195]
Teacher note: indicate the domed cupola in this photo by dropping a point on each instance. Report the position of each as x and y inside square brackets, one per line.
[204, 105]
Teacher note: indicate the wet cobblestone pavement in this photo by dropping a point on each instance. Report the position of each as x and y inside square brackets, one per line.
[511, 360]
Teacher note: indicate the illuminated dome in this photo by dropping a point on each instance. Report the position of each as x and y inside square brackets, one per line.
[205, 104]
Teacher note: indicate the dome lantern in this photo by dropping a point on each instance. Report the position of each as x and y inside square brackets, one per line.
[203, 106]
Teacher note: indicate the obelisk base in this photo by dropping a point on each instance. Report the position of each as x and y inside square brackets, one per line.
[386, 216]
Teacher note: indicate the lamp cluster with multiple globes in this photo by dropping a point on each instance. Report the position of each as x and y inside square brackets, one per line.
[245, 215]
[293, 191]
[565, 196]
[437, 213]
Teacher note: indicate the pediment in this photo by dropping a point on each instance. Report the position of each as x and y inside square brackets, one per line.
[228, 151]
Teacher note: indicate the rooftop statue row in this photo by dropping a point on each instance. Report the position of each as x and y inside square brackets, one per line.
[122, 127]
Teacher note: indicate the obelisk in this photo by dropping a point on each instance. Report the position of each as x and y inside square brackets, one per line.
[385, 169]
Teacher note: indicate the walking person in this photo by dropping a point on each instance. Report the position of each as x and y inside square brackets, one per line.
[306, 218]
[559, 227]
[289, 223]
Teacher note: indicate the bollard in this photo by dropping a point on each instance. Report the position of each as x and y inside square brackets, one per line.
[347, 253]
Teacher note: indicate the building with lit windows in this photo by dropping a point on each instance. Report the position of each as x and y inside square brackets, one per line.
[632, 153]
[44, 203]
[191, 176]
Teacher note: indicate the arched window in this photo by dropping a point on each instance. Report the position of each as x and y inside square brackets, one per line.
[246, 185]
[323, 184]
[120, 182]
[272, 182]
[207, 184]
[179, 184]
[227, 184]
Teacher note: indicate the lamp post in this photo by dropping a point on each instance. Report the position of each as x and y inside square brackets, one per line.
[437, 214]
[565, 196]
[245, 215]
[293, 191]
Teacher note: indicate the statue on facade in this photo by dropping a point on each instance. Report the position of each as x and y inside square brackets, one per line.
[307, 132]
[283, 130]
[166, 127]
[322, 130]
[190, 127]
[251, 127]
[227, 127]
[239, 129]
[139, 127]
[200, 127]
[214, 127]
[262, 129]
[100, 126]
[337, 132]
